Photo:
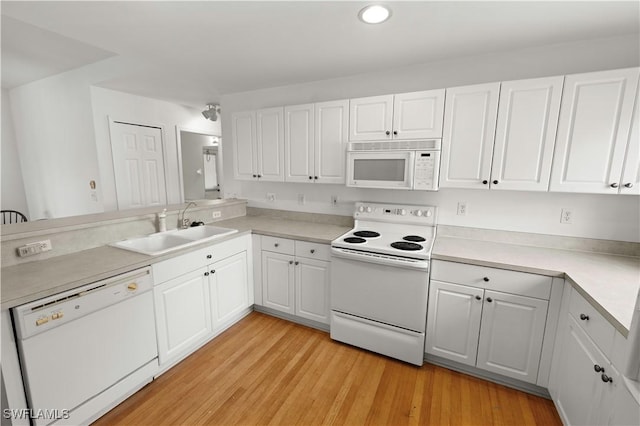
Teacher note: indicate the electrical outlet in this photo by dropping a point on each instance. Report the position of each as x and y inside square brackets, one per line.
[462, 208]
[566, 216]
[34, 248]
[301, 199]
[271, 197]
[334, 200]
[216, 214]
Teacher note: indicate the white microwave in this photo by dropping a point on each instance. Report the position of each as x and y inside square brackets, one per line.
[410, 165]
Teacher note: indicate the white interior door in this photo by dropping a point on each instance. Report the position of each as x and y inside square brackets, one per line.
[138, 165]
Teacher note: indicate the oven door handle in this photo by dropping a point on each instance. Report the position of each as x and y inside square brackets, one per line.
[380, 259]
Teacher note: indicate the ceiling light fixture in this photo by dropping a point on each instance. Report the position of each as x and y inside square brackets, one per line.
[374, 14]
[212, 111]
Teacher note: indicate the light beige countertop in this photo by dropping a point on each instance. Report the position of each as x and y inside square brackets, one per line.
[30, 281]
[610, 282]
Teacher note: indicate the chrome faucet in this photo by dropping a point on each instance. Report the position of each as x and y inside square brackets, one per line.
[185, 223]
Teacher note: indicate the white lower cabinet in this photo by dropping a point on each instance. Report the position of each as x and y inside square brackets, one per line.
[295, 278]
[183, 314]
[200, 293]
[586, 386]
[479, 326]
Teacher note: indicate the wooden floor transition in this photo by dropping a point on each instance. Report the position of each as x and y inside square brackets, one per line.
[265, 370]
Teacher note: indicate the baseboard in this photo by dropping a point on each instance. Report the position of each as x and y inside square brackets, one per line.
[282, 315]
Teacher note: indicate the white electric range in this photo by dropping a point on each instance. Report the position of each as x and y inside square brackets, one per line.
[380, 279]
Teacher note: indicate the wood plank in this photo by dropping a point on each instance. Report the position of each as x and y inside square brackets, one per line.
[265, 370]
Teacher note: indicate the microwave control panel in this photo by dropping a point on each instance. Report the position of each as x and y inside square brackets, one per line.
[426, 169]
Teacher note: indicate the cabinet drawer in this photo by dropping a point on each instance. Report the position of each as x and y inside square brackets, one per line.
[513, 282]
[278, 245]
[229, 248]
[594, 324]
[313, 250]
[180, 265]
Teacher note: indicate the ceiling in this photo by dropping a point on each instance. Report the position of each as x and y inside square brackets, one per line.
[192, 52]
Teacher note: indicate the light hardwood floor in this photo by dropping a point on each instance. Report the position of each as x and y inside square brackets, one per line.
[264, 370]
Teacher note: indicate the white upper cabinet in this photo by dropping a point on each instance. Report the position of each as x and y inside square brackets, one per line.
[331, 136]
[467, 140]
[415, 115]
[298, 143]
[525, 134]
[270, 141]
[593, 131]
[371, 118]
[258, 144]
[630, 183]
[418, 115]
[315, 142]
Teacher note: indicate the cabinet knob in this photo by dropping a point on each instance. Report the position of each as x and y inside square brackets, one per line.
[206, 274]
[297, 263]
[489, 299]
[276, 244]
[291, 262]
[495, 182]
[310, 177]
[485, 279]
[315, 177]
[478, 297]
[484, 182]
[395, 132]
[584, 317]
[387, 133]
[213, 271]
[255, 176]
[628, 185]
[598, 369]
[312, 251]
[259, 176]
[614, 185]
[606, 378]
[209, 256]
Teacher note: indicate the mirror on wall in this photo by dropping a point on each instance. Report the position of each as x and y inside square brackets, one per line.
[200, 165]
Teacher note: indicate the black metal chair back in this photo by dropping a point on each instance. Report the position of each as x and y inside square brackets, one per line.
[12, 216]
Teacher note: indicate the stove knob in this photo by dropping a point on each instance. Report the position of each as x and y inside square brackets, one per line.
[403, 212]
[361, 209]
[428, 213]
[419, 213]
[369, 209]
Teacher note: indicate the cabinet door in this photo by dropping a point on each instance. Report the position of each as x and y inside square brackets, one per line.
[467, 140]
[229, 283]
[183, 314]
[593, 130]
[312, 289]
[418, 115]
[511, 335]
[270, 142]
[277, 282]
[298, 143]
[370, 118]
[244, 145]
[453, 321]
[526, 133]
[579, 385]
[630, 183]
[332, 128]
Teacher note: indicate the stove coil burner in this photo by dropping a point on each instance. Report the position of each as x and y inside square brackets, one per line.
[414, 238]
[354, 240]
[404, 245]
[367, 234]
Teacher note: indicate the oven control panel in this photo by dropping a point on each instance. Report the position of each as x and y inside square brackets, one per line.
[399, 213]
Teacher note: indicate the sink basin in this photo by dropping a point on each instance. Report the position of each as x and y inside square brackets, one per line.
[165, 242]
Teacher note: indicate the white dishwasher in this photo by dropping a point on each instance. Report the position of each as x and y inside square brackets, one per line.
[85, 350]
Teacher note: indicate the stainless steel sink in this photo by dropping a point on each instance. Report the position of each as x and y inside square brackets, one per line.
[165, 242]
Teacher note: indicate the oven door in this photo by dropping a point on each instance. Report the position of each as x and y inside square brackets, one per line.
[388, 294]
[380, 169]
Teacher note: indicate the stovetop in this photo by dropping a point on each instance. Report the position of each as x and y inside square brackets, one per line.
[397, 230]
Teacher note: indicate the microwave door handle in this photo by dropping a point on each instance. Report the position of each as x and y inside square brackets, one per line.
[410, 169]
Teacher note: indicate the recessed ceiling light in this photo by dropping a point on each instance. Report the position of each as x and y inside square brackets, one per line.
[374, 14]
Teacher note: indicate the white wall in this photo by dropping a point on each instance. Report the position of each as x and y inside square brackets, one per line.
[595, 216]
[12, 191]
[140, 110]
